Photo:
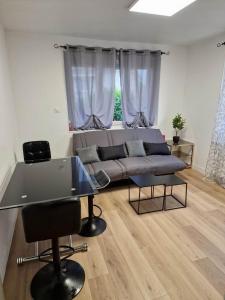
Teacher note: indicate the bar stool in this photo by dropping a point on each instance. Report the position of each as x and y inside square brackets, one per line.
[36, 151]
[60, 279]
[95, 225]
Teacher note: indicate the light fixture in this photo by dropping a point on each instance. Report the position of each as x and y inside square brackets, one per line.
[160, 7]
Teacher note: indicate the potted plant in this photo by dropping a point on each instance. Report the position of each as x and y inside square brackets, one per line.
[178, 124]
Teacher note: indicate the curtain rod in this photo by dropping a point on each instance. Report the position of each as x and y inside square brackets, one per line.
[56, 46]
[221, 44]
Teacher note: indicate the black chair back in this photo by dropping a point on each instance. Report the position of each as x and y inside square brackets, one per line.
[36, 151]
[102, 180]
[51, 220]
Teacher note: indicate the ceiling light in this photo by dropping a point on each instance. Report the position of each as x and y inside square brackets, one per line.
[160, 7]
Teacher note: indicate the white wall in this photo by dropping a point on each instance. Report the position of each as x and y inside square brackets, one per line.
[38, 80]
[204, 75]
[7, 149]
[190, 82]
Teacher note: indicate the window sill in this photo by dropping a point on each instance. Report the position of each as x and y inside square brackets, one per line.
[115, 125]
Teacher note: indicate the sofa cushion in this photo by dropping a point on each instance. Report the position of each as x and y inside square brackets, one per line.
[135, 148]
[156, 149]
[165, 164]
[88, 154]
[112, 167]
[112, 152]
[136, 165]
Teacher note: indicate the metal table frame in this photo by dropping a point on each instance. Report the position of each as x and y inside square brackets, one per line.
[164, 196]
[139, 200]
[183, 205]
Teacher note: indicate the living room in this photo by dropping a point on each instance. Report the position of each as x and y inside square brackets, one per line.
[187, 260]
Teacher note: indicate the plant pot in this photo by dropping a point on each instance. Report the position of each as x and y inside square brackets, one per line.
[176, 139]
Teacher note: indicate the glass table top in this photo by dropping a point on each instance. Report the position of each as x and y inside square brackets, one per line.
[146, 180]
[56, 179]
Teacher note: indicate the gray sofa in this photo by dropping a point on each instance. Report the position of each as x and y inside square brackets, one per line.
[125, 167]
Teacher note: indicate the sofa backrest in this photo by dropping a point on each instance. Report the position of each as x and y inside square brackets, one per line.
[113, 137]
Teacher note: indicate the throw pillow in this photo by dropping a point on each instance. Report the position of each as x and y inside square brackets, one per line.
[135, 148]
[111, 152]
[88, 154]
[156, 149]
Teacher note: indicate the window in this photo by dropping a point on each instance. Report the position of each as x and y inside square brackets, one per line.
[78, 73]
[117, 98]
[93, 81]
[82, 75]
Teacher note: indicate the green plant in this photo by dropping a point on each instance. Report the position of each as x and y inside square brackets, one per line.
[178, 123]
[117, 106]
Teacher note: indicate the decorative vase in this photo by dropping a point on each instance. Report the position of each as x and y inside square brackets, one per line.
[176, 139]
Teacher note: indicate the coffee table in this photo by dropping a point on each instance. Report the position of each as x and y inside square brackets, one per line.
[166, 201]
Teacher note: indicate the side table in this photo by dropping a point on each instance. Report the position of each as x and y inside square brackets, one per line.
[183, 150]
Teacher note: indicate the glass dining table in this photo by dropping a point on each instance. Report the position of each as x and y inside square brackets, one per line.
[53, 180]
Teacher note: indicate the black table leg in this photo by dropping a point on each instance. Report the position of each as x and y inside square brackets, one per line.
[92, 225]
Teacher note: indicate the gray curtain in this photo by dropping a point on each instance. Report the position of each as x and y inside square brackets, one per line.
[140, 77]
[215, 169]
[90, 84]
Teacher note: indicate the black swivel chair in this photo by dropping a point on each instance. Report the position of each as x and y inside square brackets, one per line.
[94, 225]
[60, 279]
[36, 151]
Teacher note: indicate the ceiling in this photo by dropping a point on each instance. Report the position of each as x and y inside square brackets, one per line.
[111, 20]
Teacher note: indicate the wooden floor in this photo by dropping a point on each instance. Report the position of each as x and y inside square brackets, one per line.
[177, 254]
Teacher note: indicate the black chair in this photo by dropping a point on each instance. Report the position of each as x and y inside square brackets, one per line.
[60, 279]
[94, 225]
[36, 151]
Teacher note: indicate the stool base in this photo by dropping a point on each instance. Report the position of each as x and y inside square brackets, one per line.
[92, 227]
[48, 285]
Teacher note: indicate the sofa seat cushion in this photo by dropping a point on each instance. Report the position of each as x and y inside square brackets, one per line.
[165, 164]
[89, 169]
[114, 169]
[135, 165]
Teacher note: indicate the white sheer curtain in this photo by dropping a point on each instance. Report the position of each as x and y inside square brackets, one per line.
[140, 76]
[90, 83]
[215, 169]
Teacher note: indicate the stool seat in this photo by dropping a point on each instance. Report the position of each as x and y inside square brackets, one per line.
[101, 180]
